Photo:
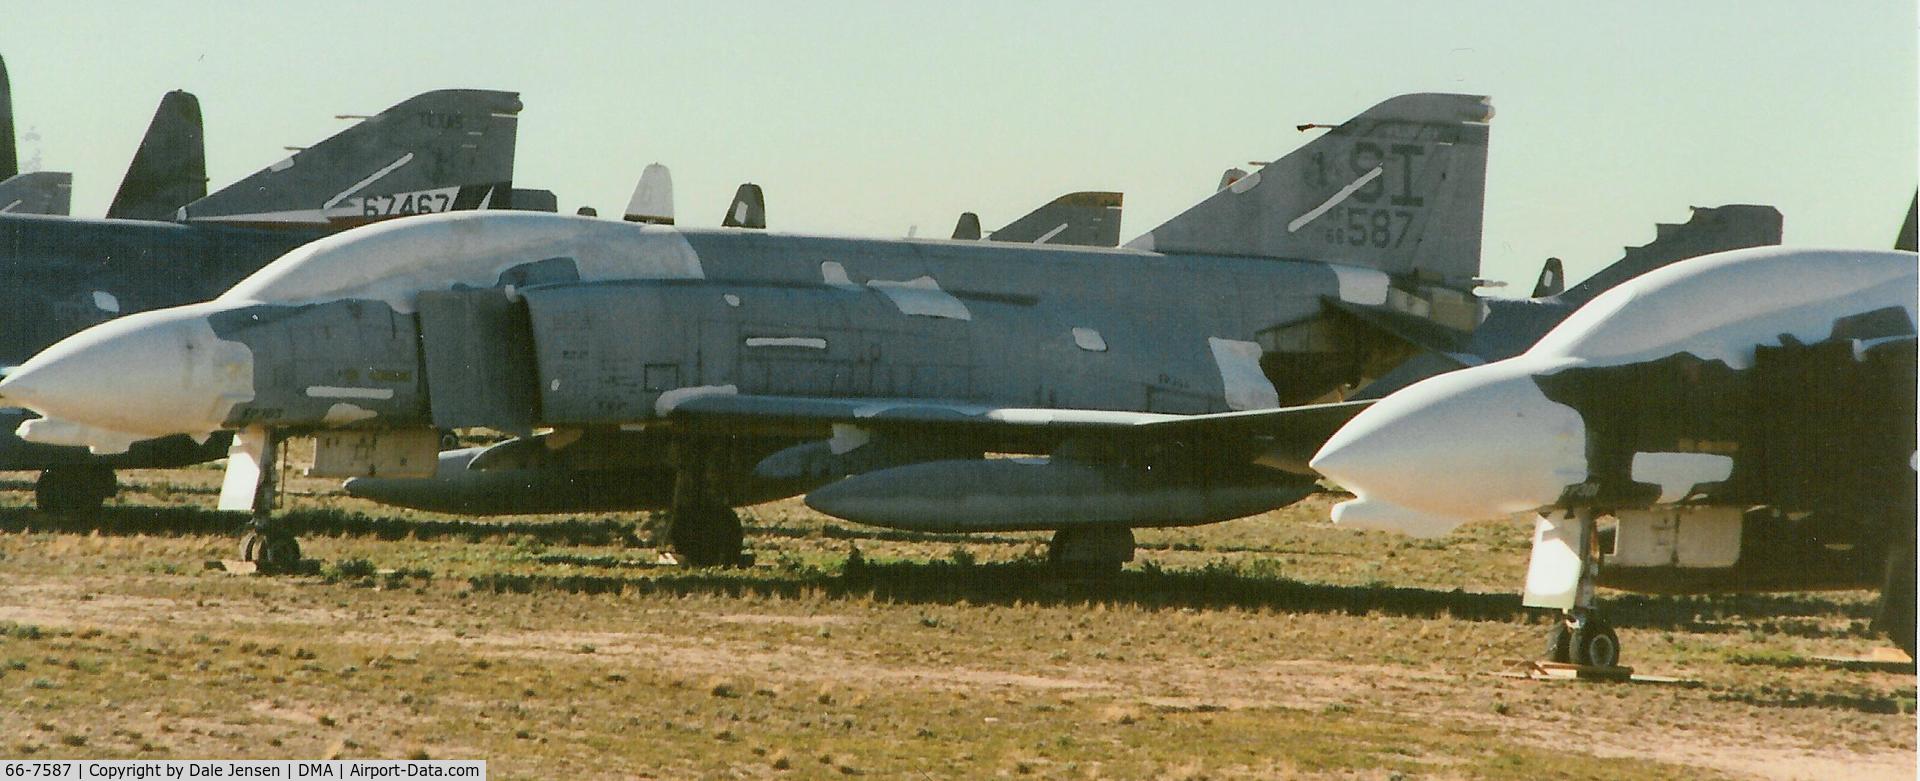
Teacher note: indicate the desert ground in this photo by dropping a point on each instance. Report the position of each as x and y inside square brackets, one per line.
[1270, 647]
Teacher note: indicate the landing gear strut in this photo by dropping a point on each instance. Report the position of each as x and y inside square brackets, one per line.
[1096, 552]
[704, 531]
[271, 548]
[74, 489]
[1579, 635]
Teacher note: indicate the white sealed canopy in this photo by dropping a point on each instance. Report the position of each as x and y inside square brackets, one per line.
[1720, 306]
[394, 261]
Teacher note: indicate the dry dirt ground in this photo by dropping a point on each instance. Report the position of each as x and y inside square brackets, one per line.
[1270, 647]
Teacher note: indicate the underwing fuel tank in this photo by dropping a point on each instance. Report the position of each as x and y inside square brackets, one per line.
[1029, 494]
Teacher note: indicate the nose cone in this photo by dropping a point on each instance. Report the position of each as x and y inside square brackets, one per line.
[152, 374]
[1476, 443]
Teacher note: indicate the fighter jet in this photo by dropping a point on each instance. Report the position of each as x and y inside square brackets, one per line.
[1144, 379]
[1746, 416]
[438, 151]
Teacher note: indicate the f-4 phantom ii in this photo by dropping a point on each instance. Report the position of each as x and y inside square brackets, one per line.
[439, 151]
[719, 367]
[1747, 417]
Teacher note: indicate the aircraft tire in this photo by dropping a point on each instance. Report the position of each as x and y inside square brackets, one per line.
[1595, 644]
[74, 489]
[1559, 642]
[1897, 596]
[706, 536]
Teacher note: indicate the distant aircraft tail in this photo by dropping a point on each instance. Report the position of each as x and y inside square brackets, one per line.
[652, 200]
[1399, 188]
[9, 154]
[37, 192]
[1909, 238]
[1707, 230]
[1511, 326]
[748, 210]
[435, 152]
[170, 168]
[1086, 219]
[968, 228]
[1553, 279]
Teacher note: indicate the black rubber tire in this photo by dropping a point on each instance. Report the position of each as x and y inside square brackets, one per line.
[706, 536]
[1559, 642]
[250, 547]
[277, 553]
[74, 489]
[1595, 644]
[1897, 596]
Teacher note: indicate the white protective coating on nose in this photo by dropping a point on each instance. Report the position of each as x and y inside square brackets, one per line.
[150, 374]
[1718, 307]
[1476, 443]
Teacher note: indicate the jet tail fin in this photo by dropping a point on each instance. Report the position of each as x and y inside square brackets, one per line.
[1511, 326]
[1399, 188]
[9, 154]
[1085, 219]
[1552, 281]
[748, 210]
[1707, 230]
[438, 151]
[652, 200]
[968, 228]
[1909, 238]
[37, 192]
[169, 169]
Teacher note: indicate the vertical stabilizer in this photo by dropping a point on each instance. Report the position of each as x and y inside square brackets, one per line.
[1400, 188]
[1908, 240]
[652, 200]
[435, 152]
[37, 192]
[968, 228]
[9, 154]
[1553, 279]
[1085, 219]
[748, 210]
[170, 168]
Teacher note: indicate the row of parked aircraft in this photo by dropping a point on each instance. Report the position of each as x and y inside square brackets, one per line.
[1745, 412]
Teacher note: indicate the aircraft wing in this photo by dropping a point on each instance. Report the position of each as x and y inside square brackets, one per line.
[1305, 427]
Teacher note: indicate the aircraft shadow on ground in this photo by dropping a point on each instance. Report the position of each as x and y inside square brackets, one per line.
[1026, 581]
[194, 521]
[1033, 582]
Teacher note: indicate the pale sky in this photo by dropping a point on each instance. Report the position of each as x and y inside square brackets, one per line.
[870, 118]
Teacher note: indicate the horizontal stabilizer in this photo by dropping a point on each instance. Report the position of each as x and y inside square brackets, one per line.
[439, 151]
[38, 192]
[169, 169]
[1083, 219]
[1399, 188]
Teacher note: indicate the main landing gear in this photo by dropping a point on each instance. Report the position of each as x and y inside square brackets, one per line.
[81, 488]
[268, 544]
[703, 530]
[1096, 552]
[1579, 635]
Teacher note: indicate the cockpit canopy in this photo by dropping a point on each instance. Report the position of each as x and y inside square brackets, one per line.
[395, 261]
